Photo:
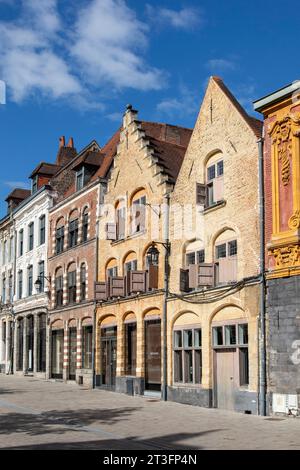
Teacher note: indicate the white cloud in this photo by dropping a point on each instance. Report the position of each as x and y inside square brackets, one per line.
[107, 38]
[102, 51]
[185, 104]
[186, 18]
[115, 117]
[221, 65]
[17, 184]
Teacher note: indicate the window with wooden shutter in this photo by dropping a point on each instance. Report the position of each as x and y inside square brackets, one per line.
[136, 282]
[184, 280]
[117, 286]
[152, 276]
[100, 291]
[206, 275]
[201, 194]
[111, 231]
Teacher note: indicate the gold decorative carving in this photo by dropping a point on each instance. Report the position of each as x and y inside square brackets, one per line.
[286, 256]
[281, 131]
[294, 220]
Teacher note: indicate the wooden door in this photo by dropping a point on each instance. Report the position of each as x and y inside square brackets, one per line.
[109, 356]
[72, 352]
[153, 355]
[225, 378]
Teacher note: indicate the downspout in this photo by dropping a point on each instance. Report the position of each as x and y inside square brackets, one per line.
[95, 306]
[166, 294]
[262, 310]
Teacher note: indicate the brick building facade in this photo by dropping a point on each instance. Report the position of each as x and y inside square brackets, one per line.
[282, 221]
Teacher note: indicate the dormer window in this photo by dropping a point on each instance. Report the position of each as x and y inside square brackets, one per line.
[80, 178]
[34, 184]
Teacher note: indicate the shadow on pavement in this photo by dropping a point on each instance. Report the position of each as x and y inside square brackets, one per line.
[168, 442]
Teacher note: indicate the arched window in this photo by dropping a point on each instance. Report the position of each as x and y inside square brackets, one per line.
[72, 283]
[83, 282]
[85, 225]
[138, 212]
[120, 219]
[226, 250]
[130, 262]
[112, 268]
[73, 229]
[59, 287]
[60, 236]
[214, 179]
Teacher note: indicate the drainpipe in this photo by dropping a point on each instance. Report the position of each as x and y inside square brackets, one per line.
[166, 294]
[262, 310]
[95, 306]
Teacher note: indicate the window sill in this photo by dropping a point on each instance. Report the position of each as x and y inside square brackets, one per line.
[215, 206]
[129, 237]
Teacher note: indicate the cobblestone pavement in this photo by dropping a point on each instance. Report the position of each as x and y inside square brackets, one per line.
[37, 414]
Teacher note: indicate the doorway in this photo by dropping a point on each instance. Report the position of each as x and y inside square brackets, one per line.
[226, 377]
[108, 342]
[30, 342]
[57, 342]
[153, 355]
[72, 352]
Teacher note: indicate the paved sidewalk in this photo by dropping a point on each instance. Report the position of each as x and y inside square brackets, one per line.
[37, 414]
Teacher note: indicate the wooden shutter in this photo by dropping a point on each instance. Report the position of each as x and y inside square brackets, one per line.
[206, 274]
[153, 277]
[121, 223]
[184, 280]
[100, 291]
[193, 275]
[223, 271]
[117, 286]
[232, 268]
[111, 231]
[136, 281]
[218, 189]
[201, 194]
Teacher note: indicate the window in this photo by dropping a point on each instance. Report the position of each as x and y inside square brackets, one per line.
[42, 229]
[83, 282]
[10, 288]
[4, 290]
[21, 242]
[20, 284]
[72, 286]
[73, 233]
[80, 179]
[60, 239]
[234, 335]
[30, 236]
[4, 252]
[188, 356]
[41, 275]
[59, 282]
[11, 249]
[130, 348]
[87, 346]
[120, 220]
[34, 184]
[85, 225]
[226, 262]
[29, 280]
[195, 257]
[138, 214]
[215, 183]
[112, 272]
[130, 266]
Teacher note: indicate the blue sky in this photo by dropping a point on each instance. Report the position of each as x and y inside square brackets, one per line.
[70, 67]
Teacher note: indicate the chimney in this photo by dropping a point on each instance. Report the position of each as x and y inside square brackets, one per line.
[65, 153]
[129, 116]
